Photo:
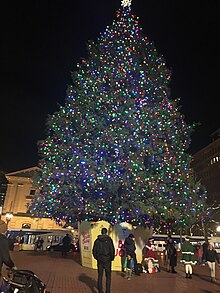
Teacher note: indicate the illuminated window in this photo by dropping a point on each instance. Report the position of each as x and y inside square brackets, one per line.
[215, 160]
[26, 226]
[29, 197]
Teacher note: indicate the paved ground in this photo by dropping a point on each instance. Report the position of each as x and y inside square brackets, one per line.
[66, 275]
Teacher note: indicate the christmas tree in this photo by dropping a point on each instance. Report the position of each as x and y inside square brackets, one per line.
[117, 149]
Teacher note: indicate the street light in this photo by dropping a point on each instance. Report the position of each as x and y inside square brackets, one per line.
[8, 217]
[218, 229]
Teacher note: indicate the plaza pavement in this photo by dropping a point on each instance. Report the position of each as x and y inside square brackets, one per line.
[66, 275]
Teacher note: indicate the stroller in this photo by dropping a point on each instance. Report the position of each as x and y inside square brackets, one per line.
[22, 281]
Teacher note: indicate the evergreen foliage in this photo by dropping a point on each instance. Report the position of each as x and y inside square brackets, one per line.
[117, 149]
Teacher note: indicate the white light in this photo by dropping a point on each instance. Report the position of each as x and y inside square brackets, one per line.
[125, 3]
[8, 216]
[218, 229]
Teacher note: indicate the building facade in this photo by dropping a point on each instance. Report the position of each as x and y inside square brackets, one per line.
[3, 188]
[206, 164]
[20, 191]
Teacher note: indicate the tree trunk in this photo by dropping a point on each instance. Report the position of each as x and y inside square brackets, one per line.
[204, 229]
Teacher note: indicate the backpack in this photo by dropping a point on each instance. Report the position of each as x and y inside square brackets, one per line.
[139, 268]
[104, 248]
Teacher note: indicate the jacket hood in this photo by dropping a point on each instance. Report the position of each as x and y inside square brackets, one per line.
[103, 237]
[129, 240]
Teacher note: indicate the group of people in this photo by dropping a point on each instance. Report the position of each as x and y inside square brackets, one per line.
[149, 262]
[206, 253]
[104, 252]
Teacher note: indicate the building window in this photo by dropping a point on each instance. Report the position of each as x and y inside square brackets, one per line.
[29, 197]
[26, 226]
[32, 192]
[215, 160]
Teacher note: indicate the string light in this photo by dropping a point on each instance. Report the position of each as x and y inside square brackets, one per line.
[117, 149]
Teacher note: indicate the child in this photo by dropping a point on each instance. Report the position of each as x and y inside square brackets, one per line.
[128, 266]
[199, 253]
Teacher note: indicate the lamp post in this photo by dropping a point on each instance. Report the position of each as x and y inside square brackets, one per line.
[8, 218]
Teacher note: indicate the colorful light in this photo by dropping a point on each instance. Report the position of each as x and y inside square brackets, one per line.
[117, 149]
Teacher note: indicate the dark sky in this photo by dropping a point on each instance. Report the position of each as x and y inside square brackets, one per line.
[42, 41]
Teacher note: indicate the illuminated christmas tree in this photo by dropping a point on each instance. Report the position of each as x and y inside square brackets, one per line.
[117, 149]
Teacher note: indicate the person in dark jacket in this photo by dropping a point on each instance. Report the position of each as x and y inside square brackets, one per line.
[172, 256]
[4, 248]
[130, 248]
[205, 249]
[66, 244]
[104, 252]
[211, 257]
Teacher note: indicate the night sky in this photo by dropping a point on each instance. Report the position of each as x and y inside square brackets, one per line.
[43, 40]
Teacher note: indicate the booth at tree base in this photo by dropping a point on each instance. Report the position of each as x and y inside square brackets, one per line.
[89, 232]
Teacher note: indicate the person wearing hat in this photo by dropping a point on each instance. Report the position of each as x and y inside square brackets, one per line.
[4, 248]
[130, 248]
[150, 257]
[211, 257]
[188, 258]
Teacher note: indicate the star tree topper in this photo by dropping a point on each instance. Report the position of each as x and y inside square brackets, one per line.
[125, 3]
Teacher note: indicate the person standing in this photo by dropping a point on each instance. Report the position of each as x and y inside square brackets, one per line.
[104, 252]
[66, 244]
[37, 244]
[211, 257]
[205, 246]
[4, 249]
[21, 243]
[41, 243]
[130, 248]
[128, 267]
[199, 253]
[172, 256]
[167, 260]
[188, 258]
